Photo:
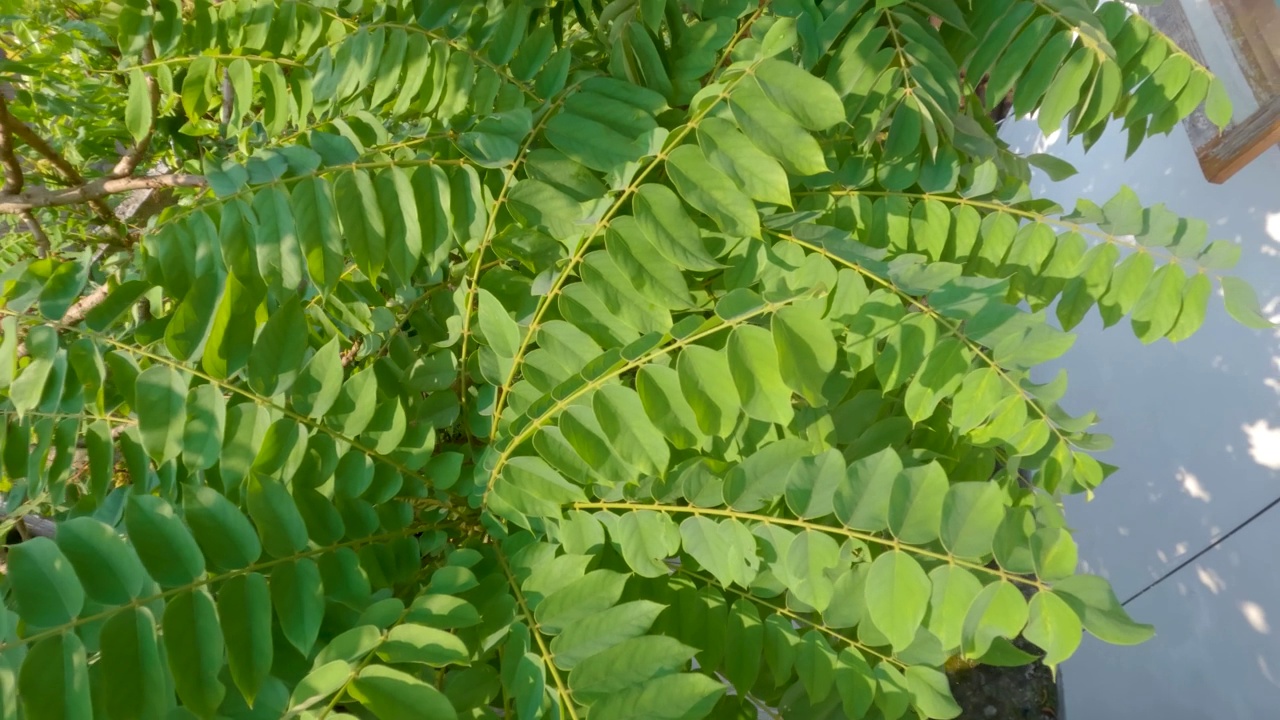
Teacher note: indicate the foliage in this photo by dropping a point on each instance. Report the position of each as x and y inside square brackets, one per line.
[649, 359]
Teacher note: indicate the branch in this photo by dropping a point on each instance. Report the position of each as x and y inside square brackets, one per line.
[76, 312]
[93, 190]
[12, 170]
[42, 240]
[24, 133]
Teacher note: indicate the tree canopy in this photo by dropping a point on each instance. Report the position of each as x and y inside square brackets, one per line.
[560, 359]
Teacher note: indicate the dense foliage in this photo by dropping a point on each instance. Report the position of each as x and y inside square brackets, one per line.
[562, 359]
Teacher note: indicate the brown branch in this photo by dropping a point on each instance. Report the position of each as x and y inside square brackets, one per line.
[42, 240]
[24, 133]
[81, 308]
[93, 190]
[12, 170]
[76, 312]
[349, 355]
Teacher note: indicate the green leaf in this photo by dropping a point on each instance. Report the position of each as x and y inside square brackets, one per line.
[656, 278]
[999, 611]
[193, 646]
[400, 217]
[279, 523]
[162, 411]
[1127, 284]
[499, 330]
[244, 606]
[1054, 553]
[191, 321]
[351, 646]
[708, 388]
[597, 590]
[1242, 303]
[863, 502]
[628, 664]
[813, 483]
[646, 538]
[601, 631]
[665, 223]
[1093, 600]
[362, 221]
[167, 549]
[134, 682]
[532, 487]
[591, 143]
[394, 695]
[811, 101]
[854, 683]
[320, 683]
[198, 86]
[915, 503]
[316, 218]
[1195, 303]
[420, 644]
[744, 645]
[25, 391]
[712, 192]
[931, 693]
[806, 351]
[298, 598]
[941, 375]
[753, 364]
[275, 240]
[106, 565]
[1159, 305]
[1053, 626]
[664, 402]
[810, 563]
[62, 288]
[43, 583]
[277, 353]
[762, 477]
[351, 413]
[53, 681]
[668, 697]
[319, 381]
[897, 596]
[275, 99]
[1217, 104]
[225, 535]
[1056, 168]
[954, 589]
[774, 132]
[726, 549]
[971, 513]
[730, 152]
[621, 416]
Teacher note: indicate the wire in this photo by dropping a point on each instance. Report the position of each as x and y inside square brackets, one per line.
[1197, 556]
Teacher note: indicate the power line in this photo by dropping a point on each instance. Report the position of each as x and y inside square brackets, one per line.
[1211, 546]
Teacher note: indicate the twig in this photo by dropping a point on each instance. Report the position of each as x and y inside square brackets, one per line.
[24, 133]
[12, 170]
[81, 308]
[42, 240]
[93, 190]
[349, 355]
[77, 311]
